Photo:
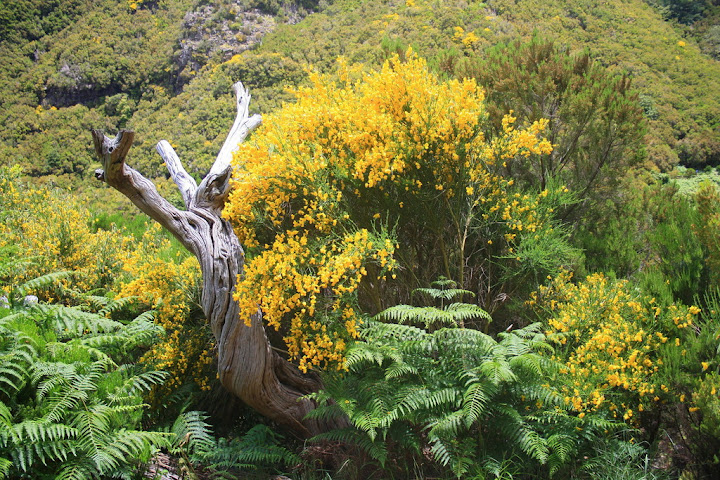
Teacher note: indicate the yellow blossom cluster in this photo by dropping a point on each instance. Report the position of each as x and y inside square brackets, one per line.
[320, 185]
[171, 287]
[611, 342]
[522, 142]
[133, 5]
[466, 38]
[297, 279]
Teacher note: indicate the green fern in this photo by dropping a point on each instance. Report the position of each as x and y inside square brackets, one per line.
[455, 314]
[258, 448]
[447, 313]
[480, 401]
[68, 407]
[41, 282]
[443, 289]
[192, 435]
[17, 352]
[72, 322]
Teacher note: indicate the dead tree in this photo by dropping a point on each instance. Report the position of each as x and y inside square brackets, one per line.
[247, 365]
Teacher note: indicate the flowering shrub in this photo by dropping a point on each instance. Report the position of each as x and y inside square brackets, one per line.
[50, 231]
[613, 342]
[707, 399]
[171, 287]
[322, 190]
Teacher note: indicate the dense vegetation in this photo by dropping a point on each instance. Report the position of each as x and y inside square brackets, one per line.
[491, 227]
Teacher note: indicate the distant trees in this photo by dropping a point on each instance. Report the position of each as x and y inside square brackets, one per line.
[684, 11]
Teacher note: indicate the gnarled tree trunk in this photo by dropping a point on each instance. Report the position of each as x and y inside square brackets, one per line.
[247, 365]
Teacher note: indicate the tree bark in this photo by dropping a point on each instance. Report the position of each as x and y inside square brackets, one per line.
[247, 365]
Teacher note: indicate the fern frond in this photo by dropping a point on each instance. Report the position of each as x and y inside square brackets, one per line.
[377, 330]
[562, 447]
[257, 447]
[399, 369]
[72, 322]
[531, 336]
[114, 305]
[443, 398]
[97, 302]
[366, 422]
[35, 441]
[441, 453]
[142, 331]
[16, 358]
[122, 445]
[465, 341]
[516, 430]
[192, 434]
[452, 315]
[9, 319]
[5, 417]
[92, 424]
[79, 469]
[443, 282]
[32, 431]
[475, 400]
[145, 317]
[529, 363]
[72, 390]
[497, 370]
[462, 455]
[326, 412]
[144, 382]
[598, 423]
[468, 311]
[361, 354]
[443, 294]
[11, 380]
[224, 457]
[43, 281]
[447, 426]
[5, 466]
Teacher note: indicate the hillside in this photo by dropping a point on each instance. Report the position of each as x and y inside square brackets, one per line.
[164, 68]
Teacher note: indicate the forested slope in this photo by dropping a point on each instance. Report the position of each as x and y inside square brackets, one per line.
[164, 68]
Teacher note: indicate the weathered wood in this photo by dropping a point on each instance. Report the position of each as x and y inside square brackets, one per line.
[247, 365]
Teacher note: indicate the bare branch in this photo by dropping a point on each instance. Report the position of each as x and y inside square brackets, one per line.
[111, 153]
[243, 125]
[186, 184]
